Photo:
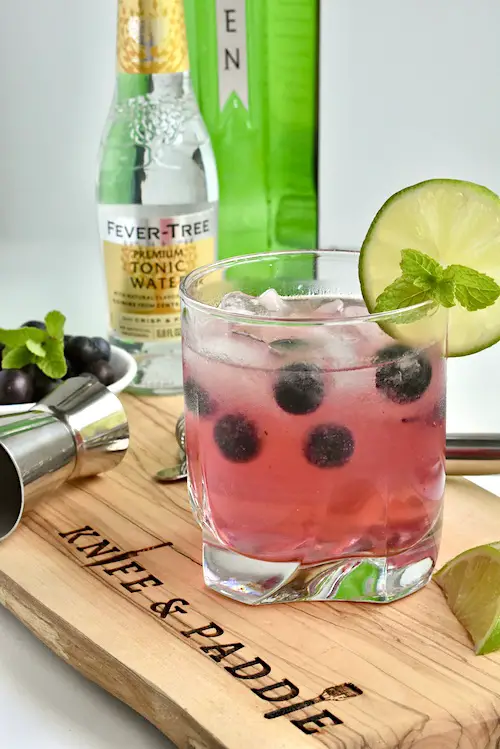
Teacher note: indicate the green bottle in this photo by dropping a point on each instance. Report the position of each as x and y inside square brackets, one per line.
[254, 70]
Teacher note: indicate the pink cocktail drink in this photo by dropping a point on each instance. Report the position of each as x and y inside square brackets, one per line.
[313, 446]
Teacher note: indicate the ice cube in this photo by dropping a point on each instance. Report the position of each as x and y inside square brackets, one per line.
[341, 350]
[355, 310]
[334, 308]
[202, 328]
[237, 348]
[237, 301]
[272, 302]
[373, 338]
[369, 335]
[268, 304]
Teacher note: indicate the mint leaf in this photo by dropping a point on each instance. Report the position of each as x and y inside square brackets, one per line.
[17, 358]
[425, 279]
[45, 348]
[444, 293]
[426, 284]
[36, 348]
[54, 364]
[401, 293]
[473, 290]
[422, 269]
[404, 318]
[54, 370]
[54, 322]
[20, 336]
[34, 334]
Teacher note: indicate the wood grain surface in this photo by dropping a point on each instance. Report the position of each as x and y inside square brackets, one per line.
[201, 668]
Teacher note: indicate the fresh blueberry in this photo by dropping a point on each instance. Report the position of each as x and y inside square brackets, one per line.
[70, 372]
[403, 374]
[104, 348]
[31, 370]
[299, 388]
[329, 446]
[237, 438]
[16, 387]
[33, 324]
[197, 399]
[44, 385]
[82, 351]
[103, 371]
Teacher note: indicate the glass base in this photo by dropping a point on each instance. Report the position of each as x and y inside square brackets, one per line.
[362, 579]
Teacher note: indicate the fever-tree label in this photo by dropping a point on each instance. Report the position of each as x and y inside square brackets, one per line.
[146, 258]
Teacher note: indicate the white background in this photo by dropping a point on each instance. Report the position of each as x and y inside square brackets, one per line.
[410, 90]
[56, 82]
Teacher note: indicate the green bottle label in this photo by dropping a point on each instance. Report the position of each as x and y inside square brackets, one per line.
[232, 51]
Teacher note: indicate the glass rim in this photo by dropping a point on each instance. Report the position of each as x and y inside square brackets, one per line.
[271, 319]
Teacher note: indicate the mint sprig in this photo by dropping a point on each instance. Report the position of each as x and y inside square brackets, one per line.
[54, 364]
[423, 279]
[54, 322]
[16, 358]
[45, 348]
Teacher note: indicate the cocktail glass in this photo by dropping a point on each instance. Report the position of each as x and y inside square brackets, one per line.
[315, 432]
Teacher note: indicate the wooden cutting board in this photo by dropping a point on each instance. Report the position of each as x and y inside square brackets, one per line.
[107, 573]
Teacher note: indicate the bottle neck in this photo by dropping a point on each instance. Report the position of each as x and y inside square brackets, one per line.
[151, 38]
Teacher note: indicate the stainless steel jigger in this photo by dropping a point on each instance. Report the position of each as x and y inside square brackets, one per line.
[79, 430]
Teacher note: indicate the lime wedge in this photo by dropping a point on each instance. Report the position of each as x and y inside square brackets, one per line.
[471, 584]
[454, 222]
